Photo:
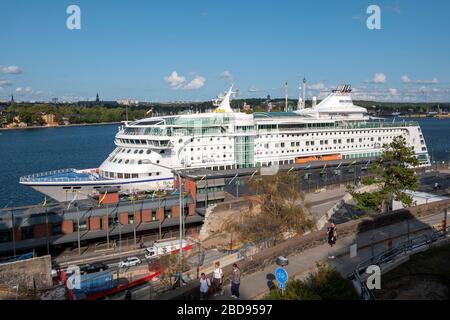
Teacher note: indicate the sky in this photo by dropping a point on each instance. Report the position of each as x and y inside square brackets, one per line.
[193, 50]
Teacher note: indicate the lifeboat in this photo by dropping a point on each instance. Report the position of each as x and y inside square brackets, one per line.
[326, 157]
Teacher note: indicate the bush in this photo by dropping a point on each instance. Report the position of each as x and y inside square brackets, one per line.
[295, 290]
[325, 284]
[330, 285]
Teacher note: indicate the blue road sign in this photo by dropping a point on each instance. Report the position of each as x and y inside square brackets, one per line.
[282, 277]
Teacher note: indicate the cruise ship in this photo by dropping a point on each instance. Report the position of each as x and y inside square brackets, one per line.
[149, 150]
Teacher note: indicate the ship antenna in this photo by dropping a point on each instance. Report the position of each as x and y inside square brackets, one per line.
[286, 97]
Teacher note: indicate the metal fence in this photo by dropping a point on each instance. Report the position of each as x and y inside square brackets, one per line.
[387, 256]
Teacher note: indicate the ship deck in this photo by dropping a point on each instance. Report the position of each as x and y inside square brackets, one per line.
[65, 175]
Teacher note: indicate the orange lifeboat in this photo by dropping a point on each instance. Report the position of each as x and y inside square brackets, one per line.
[326, 157]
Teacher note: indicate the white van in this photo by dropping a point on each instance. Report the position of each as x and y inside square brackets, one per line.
[164, 247]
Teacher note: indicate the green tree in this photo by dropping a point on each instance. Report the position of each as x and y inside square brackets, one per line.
[394, 173]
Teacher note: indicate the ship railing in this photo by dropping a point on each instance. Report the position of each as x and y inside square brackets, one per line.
[45, 176]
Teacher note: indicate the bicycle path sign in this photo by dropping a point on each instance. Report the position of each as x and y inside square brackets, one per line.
[282, 277]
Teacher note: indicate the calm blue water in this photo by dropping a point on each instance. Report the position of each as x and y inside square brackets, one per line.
[29, 151]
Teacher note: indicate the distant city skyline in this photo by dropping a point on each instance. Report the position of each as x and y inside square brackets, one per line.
[192, 51]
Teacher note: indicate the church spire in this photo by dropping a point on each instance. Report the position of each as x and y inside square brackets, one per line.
[97, 99]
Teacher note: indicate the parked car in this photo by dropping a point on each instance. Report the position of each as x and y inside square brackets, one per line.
[282, 261]
[129, 262]
[93, 267]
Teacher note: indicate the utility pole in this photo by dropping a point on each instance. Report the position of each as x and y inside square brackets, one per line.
[46, 229]
[78, 229]
[107, 227]
[134, 223]
[445, 221]
[13, 222]
[206, 189]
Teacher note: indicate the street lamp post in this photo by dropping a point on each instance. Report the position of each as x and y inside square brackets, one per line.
[13, 231]
[177, 173]
[46, 229]
[134, 223]
[107, 227]
[78, 229]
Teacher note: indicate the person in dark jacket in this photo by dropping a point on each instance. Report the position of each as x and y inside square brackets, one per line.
[235, 281]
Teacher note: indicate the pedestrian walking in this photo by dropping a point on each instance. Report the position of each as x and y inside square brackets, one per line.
[235, 281]
[332, 235]
[128, 295]
[205, 284]
[218, 278]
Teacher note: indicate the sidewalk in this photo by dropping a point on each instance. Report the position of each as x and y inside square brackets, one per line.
[256, 285]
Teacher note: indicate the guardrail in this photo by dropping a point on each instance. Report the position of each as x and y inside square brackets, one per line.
[41, 177]
[403, 249]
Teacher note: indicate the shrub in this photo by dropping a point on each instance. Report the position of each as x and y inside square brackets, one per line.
[325, 284]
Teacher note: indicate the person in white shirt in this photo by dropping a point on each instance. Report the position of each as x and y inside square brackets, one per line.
[218, 278]
[205, 283]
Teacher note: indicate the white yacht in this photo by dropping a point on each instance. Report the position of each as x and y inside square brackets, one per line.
[147, 150]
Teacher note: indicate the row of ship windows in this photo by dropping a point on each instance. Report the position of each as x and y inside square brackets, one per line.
[324, 142]
[136, 151]
[362, 155]
[329, 133]
[128, 161]
[323, 148]
[156, 143]
[212, 148]
[119, 175]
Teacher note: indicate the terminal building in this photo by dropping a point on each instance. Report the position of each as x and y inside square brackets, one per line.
[57, 225]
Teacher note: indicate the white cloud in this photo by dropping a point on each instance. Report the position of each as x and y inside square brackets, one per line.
[10, 70]
[254, 88]
[227, 76]
[5, 83]
[178, 82]
[19, 89]
[379, 78]
[174, 80]
[28, 90]
[393, 92]
[195, 83]
[432, 81]
[317, 86]
[406, 79]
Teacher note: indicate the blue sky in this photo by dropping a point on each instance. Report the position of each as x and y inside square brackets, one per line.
[192, 50]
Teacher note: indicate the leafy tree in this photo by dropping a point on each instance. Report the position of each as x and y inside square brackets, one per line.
[394, 173]
[282, 209]
[169, 267]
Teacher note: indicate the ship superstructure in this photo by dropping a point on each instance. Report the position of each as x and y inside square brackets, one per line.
[147, 149]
